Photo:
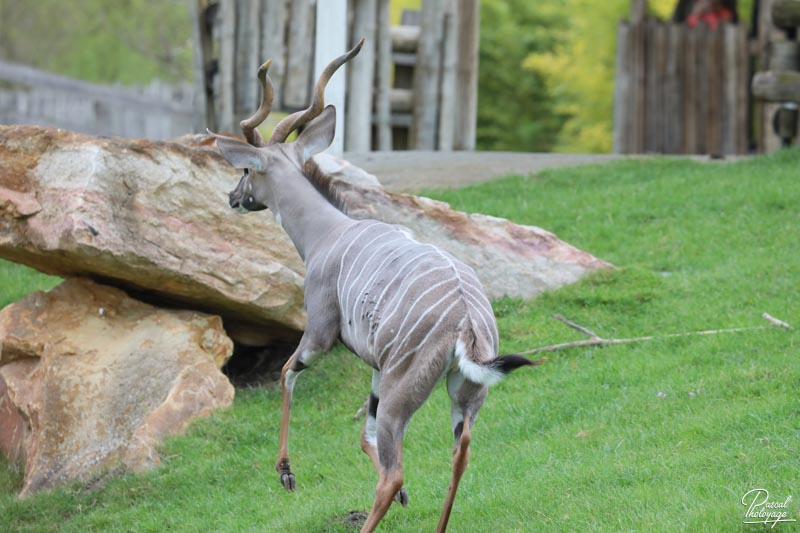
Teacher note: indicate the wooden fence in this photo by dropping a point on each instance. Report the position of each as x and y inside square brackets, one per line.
[155, 111]
[432, 60]
[681, 90]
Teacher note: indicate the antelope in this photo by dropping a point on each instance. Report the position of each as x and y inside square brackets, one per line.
[411, 311]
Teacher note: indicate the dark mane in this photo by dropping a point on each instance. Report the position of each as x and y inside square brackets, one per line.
[324, 183]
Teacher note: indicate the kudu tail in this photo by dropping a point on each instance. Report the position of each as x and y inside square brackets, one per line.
[490, 372]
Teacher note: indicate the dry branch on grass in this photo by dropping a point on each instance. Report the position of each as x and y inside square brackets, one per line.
[596, 340]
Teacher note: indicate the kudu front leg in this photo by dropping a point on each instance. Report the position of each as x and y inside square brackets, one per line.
[297, 363]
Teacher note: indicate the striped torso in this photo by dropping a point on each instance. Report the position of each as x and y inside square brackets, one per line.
[396, 295]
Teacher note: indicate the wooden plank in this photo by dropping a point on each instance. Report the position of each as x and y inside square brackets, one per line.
[777, 86]
[248, 54]
[651, 87]
[427, 76]
[402, 100]
[405, 38]
[331, 42]
[227, 66]
[622, 82]
[715, 93]
[383, 77]
[673, 89]
[690, 95]
[702, 88]
[273, 23]
[204, 116]
[447, 89]
[638, 90]
[298, 77]
[729, 93]
[360, 76]
[744, 116]
[786, 14]
[467, 74]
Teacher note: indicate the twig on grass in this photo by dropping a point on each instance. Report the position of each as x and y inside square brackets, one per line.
[596, 340]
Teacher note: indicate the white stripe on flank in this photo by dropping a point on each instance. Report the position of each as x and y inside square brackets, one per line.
[353, 266]
[390, 282]
[399, 299]
[354, 284]
[475, 372]
[419, 320]
[344, 254]
[403, 357]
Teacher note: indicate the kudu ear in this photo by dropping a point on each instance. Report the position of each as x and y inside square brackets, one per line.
[239, 154]
[318, 135]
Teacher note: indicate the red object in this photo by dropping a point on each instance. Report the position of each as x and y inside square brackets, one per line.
[711, 18]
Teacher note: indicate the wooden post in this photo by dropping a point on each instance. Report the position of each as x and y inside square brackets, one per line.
[273, 25]
[447, 92]
[466, 118]
[204, 114]
[383, 111]
[622, 82]
[331, 42]
[227, 66]
[361, 74]
[297, 82]
[426, 77]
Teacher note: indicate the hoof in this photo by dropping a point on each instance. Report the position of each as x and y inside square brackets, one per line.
[401, 497]
[288, 481]
[287, 478]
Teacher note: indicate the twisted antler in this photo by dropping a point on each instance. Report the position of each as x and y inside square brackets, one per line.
[300, 118]
[267, 97]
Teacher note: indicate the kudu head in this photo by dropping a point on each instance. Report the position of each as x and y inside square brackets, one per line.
[261, 160]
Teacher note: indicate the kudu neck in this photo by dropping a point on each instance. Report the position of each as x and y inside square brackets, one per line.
[303, 212]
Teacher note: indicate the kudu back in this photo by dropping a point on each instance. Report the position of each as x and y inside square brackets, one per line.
[411, 311]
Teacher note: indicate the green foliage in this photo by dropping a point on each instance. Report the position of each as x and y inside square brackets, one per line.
[663, 435]
[128, 41]
[515, 109]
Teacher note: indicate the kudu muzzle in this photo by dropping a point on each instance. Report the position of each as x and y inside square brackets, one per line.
[241, 197]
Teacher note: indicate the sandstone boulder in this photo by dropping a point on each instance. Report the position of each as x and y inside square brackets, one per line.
[153, 217]
[92, 380]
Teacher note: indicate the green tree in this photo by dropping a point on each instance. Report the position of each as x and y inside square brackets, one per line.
[516, 111]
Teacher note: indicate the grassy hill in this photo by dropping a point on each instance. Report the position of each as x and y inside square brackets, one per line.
[663, 435]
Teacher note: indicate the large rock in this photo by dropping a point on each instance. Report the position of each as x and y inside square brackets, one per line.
[92, 380]
[153, 217]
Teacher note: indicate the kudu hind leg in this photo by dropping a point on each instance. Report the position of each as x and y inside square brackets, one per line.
[369, 438]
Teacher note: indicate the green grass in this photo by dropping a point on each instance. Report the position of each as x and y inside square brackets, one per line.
[660, 436]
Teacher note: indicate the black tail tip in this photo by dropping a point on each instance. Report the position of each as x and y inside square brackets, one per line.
[509, 363]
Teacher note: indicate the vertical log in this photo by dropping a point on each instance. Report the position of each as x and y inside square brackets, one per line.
[673, 90]
[273, 29]
[702, 88]
[466, 119]
[298, 76]
[227, 66]
[690, 95]
[248, 53]
[622, 89]
[447, 92]
[744, 117]
[331, 42]
[204, 115]
[730, 111]
[638, 96]
[715, 93]
[361, 75]
[426, 77]
[383, 112]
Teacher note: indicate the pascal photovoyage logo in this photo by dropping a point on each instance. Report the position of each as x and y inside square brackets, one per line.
[763, 510]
